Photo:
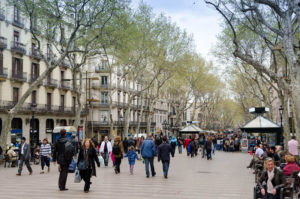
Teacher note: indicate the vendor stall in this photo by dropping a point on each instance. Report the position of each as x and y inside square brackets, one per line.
[269, 131]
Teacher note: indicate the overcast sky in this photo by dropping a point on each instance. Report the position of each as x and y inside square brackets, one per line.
[192, 15]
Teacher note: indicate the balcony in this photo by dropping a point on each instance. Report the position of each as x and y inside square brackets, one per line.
[65, 64]
[18, 22]
[3, 74]
[119, 123]
[65, 85]
[96, 85]
[102, 69]
[135, 124]
[3, 43]
[49, 82]
[98, 123]
[101, 104]
[34, 53]
[19, 77]
[18, 47]
[2, 14]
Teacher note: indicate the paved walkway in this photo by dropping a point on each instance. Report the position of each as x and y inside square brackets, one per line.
[224, 177]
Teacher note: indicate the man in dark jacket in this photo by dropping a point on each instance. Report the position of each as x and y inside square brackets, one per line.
[24, 156]
[62, 159]
[164, 151]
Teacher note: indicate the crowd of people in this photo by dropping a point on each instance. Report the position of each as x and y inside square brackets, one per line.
[272, 165]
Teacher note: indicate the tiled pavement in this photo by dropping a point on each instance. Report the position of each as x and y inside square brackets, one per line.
[224, 177]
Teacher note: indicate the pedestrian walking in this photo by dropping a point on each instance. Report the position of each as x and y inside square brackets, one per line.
[208, 148]
[45, 153]
[173, 143]
[186, 145]
[24, 157]
[125, 144]
[86, 163]
[63, 153]
[118, 151]
[105, 150]
[164, 151]
[192, 147]
[132, 156]
[180, 143]
[148, 151]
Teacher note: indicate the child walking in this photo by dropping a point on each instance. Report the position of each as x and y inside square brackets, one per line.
[132, 156]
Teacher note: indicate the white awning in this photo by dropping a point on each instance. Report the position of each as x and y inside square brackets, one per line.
[67, 128]
[261, 122]
[191, 128]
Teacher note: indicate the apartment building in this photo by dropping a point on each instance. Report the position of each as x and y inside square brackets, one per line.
[52, 103]
[111, 83]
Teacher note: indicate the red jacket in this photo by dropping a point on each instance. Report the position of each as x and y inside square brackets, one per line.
[186, 142]
[290, 167]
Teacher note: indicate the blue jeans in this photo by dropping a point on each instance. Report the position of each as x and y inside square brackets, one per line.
[180, 149]
[147, 162]
[165, 165]
[45, 160]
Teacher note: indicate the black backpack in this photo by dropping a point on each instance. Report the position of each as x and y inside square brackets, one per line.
[173, 144]
[69, 150]
[116, 149]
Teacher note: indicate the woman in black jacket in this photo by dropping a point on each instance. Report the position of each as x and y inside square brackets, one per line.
[88, 157]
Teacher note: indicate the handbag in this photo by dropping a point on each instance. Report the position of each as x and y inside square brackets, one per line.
[101, 160]
[81, 165]
[77, 178]
[72, 167]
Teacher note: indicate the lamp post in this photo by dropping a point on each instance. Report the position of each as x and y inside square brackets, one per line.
[165, 126]
[32, 136]
[281, 133]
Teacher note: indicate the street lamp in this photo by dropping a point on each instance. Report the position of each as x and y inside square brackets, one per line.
[281, 136]
[32, 136]
[165, 126]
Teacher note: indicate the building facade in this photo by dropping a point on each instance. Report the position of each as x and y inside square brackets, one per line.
[109, 92]
[52, 103]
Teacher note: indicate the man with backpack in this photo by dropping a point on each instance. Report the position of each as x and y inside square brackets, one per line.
[118, 151]
[63, 154]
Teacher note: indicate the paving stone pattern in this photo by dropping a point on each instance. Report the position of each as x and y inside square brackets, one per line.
[224, 177]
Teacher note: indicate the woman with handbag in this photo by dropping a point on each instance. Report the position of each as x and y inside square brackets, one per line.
[86, 163]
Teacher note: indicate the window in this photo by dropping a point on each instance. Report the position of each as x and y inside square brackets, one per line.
[16, 13]
[49, 99]
[74, 103]
[34, 71]
[15, 95]
[104, 64]
[16, 36]
[33, 97]
[103, 116]
[17, 67]
[104, 80]
[104, 97]
[62, 101]
[62, 75]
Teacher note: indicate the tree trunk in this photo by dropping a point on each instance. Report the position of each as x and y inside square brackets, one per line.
[296, 104]
[126, 119]
[79, 109]
[286, 123]
[111, 121]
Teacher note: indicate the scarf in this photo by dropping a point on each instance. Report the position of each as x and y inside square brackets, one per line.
[269, 182]
[86, 157]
